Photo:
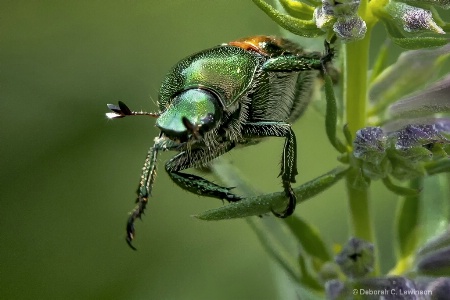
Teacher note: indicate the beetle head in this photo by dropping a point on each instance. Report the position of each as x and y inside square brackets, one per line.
[192, 113]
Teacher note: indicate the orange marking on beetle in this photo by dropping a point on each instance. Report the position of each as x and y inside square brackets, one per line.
[255, 43]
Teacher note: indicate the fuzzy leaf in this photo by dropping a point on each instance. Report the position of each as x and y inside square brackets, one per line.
[259, 205]
[274, 250]
[399, 190]
[309, 237]
[331, 115]
[380, 63]
[435, 207]
[306, 277]
[297, 9]
[439, 166]
[432, 100]
[300, 27]
[413, 70]
[415, 43]
[407, 227]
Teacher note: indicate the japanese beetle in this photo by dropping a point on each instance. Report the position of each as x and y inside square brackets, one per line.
[214, 100]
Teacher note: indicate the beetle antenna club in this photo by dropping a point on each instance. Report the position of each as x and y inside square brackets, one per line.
[234, 94]
[122, 110]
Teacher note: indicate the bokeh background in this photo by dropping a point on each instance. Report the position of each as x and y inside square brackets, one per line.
[68, 175]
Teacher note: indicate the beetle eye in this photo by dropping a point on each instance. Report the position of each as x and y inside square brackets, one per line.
[199, 107]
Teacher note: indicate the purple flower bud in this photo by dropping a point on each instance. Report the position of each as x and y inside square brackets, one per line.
[343, 8]
[356, 259]
[413, 136]
[435, 263]
[335, 290]
[322, 19]
[370, 144]
[350, 28]
[411, 18]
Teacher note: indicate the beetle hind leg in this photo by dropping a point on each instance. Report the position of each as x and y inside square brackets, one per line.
[288, 159]
[290, 208]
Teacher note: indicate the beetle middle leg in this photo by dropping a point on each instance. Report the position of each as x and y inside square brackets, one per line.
[194, 183]
[288, 159]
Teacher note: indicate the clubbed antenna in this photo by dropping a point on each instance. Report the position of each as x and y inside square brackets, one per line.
[122, 110]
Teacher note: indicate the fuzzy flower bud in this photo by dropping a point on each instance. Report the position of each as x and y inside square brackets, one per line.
[350, 28]
[343, 17]
[412, 19]
[344, 8]
[370, 144]
[356, 259]
[323, 20]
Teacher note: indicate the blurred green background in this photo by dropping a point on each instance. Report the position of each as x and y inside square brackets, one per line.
[68, 175]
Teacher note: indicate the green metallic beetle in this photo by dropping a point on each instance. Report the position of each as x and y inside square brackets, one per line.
[233, 94]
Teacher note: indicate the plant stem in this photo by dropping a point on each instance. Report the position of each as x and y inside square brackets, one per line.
[356, 65]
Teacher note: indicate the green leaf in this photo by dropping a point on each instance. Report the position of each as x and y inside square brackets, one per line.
[399, 190]
[309, 238]
[412, 71]
[436, 243]
[300, 27]
[433, 99]
[347, 134]
[415, 43]
[438, 166]
[331, 115]
[380, 63]
[435, 206]
[259, 205]
[298, 9]
[306, 278]
[407, 219]
[275, 251]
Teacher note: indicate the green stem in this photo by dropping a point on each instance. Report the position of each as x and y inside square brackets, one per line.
[356, 64]
[360, 221]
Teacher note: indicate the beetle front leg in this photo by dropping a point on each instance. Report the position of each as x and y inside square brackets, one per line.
[148, 176]
[144, 190]
[196, 184]
[288, 159]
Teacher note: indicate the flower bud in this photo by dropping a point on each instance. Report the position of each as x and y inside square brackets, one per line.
[336, 289]
[356, 259]
[343, 8]
[323, 20]
[350, 28]
[435, 263]
[370, 144]
[411, 18]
